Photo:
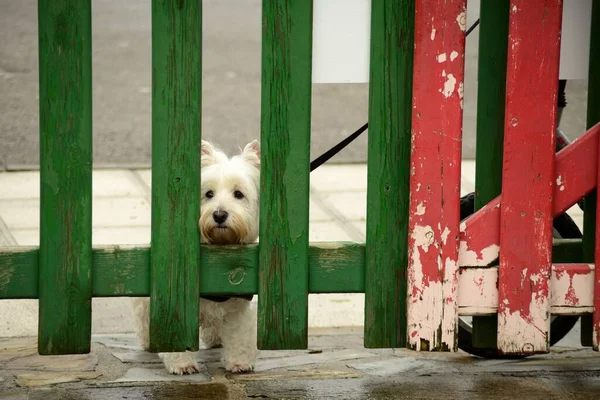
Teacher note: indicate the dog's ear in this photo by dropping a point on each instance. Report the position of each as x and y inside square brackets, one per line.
[207, 154]
[251, 153]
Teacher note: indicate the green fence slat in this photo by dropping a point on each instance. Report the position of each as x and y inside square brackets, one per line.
[593, 117]
[390, 109]
[285, 148]
[491, 93]
[65, 92]
[176, 107]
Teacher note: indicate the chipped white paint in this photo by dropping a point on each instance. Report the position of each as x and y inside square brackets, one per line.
[478, 292]
[431, 304]
[572, 290]
[432, 34]
[453, 55]
[461, 90]
[445, 234]
[461, 19]
[441, 58]
[518, 333]
[420, 209]
[449, 86]
[515, 9]
[418, 187]
[470, 258]
[560, 183]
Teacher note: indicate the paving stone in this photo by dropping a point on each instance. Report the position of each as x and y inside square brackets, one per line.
[160, 374]
[397, 365]
[202, 356]
[324, 357]
[75, 362]
[352, 205]
[309, 373]
[12, 348]
[333, 178]
[53, 378]
[127, 341]
[327, 232]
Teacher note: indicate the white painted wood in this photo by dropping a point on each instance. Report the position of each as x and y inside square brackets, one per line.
[570, 295]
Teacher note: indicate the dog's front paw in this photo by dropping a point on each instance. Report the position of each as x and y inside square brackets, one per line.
[239, 368]
[183, 368]
[180, 363]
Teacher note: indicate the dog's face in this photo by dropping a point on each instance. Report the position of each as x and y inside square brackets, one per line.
[229, 205]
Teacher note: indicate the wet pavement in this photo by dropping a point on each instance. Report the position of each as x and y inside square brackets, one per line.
[335, 366]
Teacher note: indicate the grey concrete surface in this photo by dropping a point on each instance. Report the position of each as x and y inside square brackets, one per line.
[335, 366]
[231, 86]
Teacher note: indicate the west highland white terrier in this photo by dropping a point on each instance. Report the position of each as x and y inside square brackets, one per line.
[229, 212]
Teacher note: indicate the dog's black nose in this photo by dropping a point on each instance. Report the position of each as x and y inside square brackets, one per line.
[220, 216]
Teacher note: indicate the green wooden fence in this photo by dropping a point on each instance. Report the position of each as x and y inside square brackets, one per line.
[66, 272]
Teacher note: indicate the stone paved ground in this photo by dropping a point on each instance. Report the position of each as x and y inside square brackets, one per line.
[335, 366]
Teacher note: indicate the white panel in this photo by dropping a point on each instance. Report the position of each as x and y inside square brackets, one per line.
[341, 38]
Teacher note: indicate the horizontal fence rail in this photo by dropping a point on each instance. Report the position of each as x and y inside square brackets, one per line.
[333, 268]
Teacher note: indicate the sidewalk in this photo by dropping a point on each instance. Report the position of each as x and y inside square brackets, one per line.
[335, 366]
[121, 215]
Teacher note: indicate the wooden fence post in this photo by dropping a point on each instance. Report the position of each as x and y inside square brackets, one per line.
[528, 176]
[176, 109]
[65, 284]
[285, 159]
[435, 174]
[390, 110]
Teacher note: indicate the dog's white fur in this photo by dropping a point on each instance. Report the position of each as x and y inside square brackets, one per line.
[232, 323]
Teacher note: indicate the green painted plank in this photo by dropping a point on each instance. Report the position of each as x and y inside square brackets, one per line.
[176, 108]
[117, 271]
[285, 152]
[390, 108]
[593, 117]
[65, 93]
[491, 93]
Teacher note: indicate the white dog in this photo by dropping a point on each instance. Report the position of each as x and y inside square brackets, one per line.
[229, 211]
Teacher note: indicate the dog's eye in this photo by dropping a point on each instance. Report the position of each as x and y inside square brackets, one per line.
[210, 194]
[238, 195]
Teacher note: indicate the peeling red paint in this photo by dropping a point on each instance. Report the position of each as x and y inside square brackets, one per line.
[528, 177]
[434, 214]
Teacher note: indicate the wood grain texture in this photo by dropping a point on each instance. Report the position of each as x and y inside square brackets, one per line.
[572, 290]
[591, 222]
[576, 173]
[176, 110]
[491, 98]
[390, 110]
[528, 177]
[230, 270]
[285, 152]
[434, 213]
[65, 92]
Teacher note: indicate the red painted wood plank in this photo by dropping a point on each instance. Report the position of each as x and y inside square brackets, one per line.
[576, 174]
[434, 212]
[528, 176]
[596, 318]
